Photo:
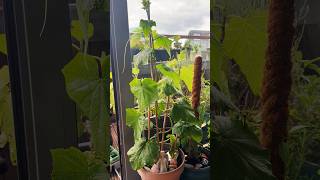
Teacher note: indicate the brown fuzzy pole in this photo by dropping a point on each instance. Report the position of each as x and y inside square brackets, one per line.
[196, 85]
[277, 81]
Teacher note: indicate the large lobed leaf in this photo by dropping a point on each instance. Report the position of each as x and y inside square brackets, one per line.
[136, 121]
[182, 111]
[245, 42]
[187, 131]
[143, 153]
[85, 86]
[72, 164]
[237, 153]
[145, 90]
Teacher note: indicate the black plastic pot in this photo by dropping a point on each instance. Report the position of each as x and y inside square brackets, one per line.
[196, 174]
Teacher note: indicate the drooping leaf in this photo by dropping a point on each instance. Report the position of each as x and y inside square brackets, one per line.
[168, 73]
[145, 90]
[245, 42]
[146, 26]
[85, 86]
[238, 150]
[3, 44]
[186, 74]
[143, 153]
[136, 121]
[72, 164]
[77, 32]
[182, 111]
[163, 42]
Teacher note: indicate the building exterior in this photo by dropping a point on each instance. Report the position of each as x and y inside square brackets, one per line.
[203, 43]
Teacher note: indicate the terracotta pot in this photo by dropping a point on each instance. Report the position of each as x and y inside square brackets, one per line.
[171, 175]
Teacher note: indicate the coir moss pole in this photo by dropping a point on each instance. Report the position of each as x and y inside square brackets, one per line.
[196, 85]
[277, 81]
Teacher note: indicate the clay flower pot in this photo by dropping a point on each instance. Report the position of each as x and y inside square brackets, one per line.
[171, 175]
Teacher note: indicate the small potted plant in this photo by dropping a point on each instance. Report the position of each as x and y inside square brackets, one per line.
[198, 152]
[156, 155]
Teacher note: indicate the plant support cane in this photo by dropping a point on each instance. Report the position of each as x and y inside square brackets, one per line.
[196, 85]
[277, 81]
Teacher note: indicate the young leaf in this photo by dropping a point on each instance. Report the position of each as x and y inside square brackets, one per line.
[147, 26]
[182, 111]
[145, 90]
[167, 72]
[77, 32]
[163, 42]
[85, 86]
[143, 153]
[135, 120]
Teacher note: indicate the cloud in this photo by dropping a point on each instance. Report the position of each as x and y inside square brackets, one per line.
[173, 16]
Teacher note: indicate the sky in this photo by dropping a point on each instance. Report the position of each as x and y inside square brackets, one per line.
[172, 16]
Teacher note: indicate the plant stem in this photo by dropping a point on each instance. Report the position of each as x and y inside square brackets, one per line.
[157, 122]
[149, 122]
[164, 122]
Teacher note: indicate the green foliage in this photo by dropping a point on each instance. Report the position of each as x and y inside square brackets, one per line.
[163, 42]
[72, 164]
[3, 44]
[146, 26]
[245, 42]
[136, 121]
[182, 111]
[6, 115]
[219, 66]
[88, 88]
[78, 33]
[170, 74]
[187, 131]
[83, 8]
[145, 91]
[238, 150]
[143, 153]
[186, 74]
[166, 87]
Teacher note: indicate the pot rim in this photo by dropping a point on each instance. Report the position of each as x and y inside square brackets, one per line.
[169, 172]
